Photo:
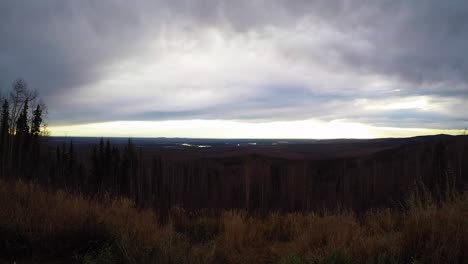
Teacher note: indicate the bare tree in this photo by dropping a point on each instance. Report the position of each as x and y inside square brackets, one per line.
[19, 95]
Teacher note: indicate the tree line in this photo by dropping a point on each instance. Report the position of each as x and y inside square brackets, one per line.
[25, 152]
[21, 127]
[249, 182]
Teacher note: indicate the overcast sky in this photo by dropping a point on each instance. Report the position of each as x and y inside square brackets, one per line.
[245, 68]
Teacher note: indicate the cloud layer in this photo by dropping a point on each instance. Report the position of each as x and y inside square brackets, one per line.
[380, 63]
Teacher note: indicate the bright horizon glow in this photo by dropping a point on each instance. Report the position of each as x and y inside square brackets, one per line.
[303, 129]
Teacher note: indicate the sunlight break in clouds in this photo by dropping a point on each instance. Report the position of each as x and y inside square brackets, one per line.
[235, 129]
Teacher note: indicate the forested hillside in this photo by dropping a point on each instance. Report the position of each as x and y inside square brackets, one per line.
[295, 177]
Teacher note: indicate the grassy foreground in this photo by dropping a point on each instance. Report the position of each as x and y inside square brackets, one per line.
[45, 227]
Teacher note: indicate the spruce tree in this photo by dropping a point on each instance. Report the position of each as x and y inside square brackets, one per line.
[4, 126]
[21, 141]
[22, 122]
[4, 135]
[37, 121]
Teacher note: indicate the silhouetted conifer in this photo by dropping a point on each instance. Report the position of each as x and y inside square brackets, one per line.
[4, 136]
[36, 122]
[95, 170]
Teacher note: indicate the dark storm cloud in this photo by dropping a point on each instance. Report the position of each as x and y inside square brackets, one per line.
[420, 42]
[320, 57]
[58, 45]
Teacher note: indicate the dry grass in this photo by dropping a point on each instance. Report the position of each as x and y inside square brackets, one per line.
[44, 226]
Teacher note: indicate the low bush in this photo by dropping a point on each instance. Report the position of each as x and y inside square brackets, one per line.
[41, 226]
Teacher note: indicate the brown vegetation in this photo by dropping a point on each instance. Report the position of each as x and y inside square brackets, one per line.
[292, 177]
[40, 225]
[298, 177]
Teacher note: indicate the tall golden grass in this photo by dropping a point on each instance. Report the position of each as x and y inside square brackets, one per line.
[37, 225]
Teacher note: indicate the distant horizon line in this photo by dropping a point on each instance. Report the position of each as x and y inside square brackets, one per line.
[225, 129]
[240, 138]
